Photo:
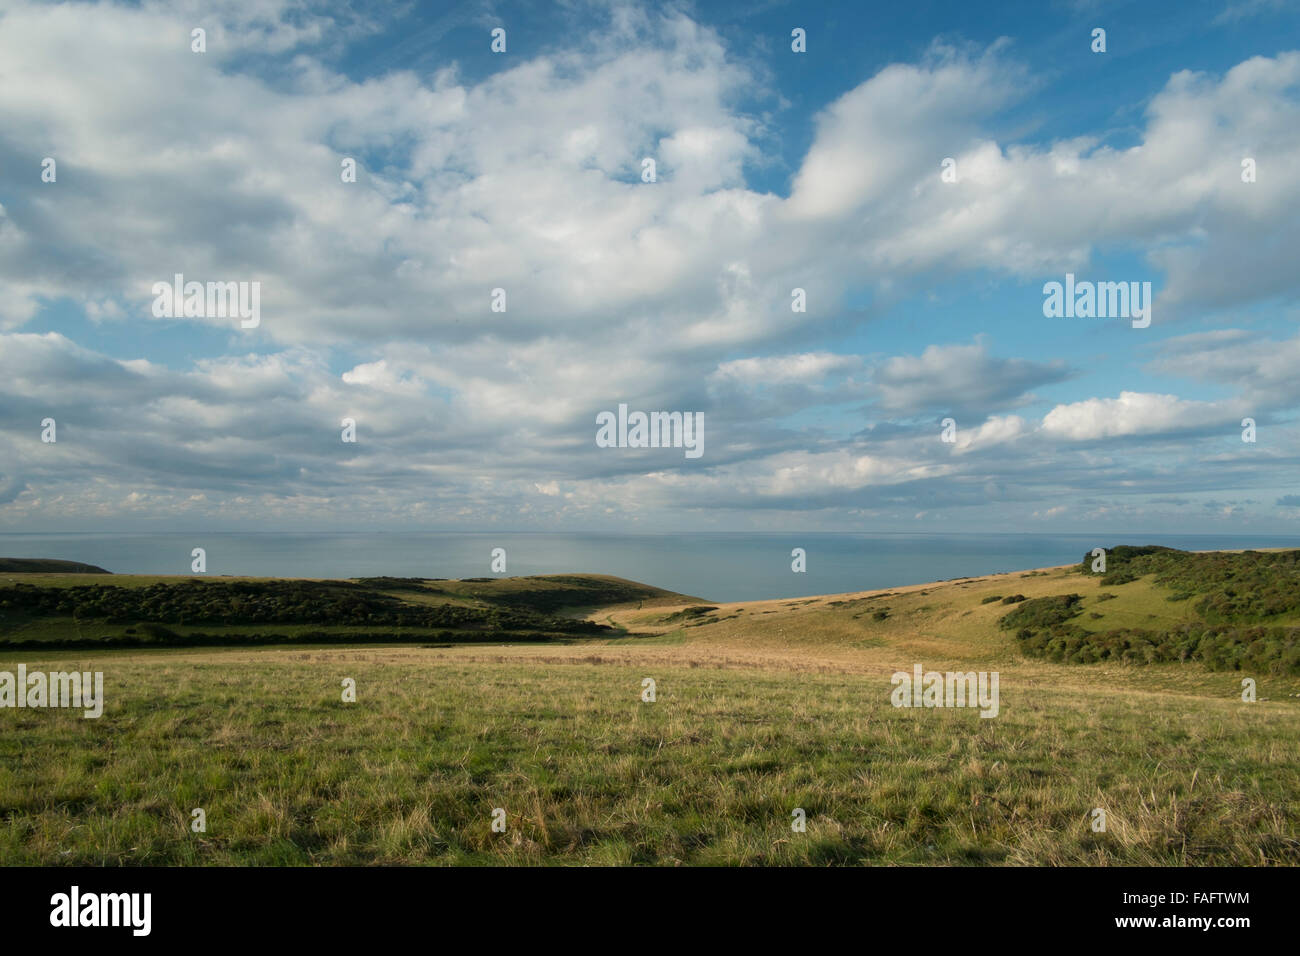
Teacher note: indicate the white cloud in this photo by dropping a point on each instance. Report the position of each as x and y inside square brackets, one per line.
[672, 295]
[807, 368]
[995, 431]
[1135, 413]
[959, 377]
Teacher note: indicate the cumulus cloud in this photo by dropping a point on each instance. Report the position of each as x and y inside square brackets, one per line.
[667, 295]
[1260, 368]
[1136, 413]
[995, 431]
[966, 377]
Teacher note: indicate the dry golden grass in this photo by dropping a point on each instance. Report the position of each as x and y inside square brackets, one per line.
[773, 706]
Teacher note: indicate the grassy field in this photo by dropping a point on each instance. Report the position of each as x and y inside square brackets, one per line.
[81, 610]
[761, 708]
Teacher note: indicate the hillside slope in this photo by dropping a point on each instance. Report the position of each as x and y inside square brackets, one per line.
[1227, 610]
[47, 566]
[50, 610]
[758, 709]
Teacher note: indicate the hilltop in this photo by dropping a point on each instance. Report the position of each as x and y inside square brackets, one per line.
[68, 610]
[537, 702]
[1226, 610]
[47, 566]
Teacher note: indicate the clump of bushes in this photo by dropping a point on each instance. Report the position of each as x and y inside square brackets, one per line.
[1272, 650]
[1044, 612]
[1045, 628]
[156, 632]
[1245, 588]
[279, 602]
[694, 613]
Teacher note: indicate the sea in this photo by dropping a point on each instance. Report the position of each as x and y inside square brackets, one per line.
[742, 566]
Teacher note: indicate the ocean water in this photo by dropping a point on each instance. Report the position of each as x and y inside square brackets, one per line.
[717, 567]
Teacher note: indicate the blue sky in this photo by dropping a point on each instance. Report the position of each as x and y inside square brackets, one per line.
[776, 170]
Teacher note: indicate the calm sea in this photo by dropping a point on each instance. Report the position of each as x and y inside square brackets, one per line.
[718, 567]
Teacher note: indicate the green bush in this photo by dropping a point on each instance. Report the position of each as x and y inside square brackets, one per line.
[1043, 612]
[280, 602]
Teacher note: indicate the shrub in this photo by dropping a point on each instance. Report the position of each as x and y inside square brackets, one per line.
[1045, 611]
[157, 632]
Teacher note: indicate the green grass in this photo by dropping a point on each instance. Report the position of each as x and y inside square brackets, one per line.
[763, 707]
[127, 610]
[1230, 611]
[589, 774]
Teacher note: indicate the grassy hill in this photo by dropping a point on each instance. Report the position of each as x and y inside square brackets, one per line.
[50, 610]
[761, 708]
[46, 566]
[1227, 610]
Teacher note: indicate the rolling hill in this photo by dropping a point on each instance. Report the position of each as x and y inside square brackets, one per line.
[622, 724]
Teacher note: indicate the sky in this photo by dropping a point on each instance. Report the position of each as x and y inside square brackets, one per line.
[921, 171]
